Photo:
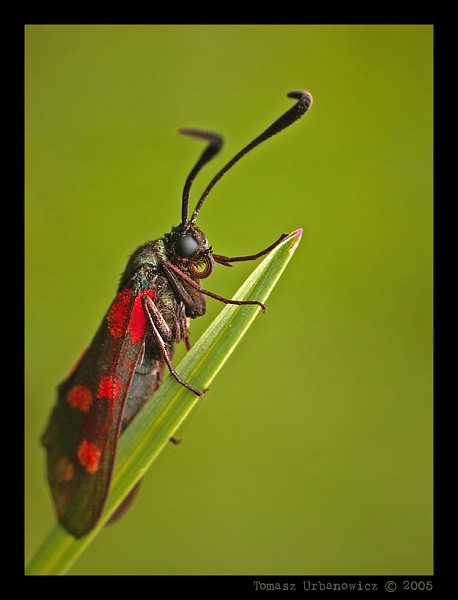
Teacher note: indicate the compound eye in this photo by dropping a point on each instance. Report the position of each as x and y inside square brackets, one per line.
[186, 246]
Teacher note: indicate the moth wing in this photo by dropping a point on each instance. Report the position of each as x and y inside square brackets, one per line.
[82, 435]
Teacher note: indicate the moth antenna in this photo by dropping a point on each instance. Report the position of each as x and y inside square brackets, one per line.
[293, 114]
[215, 143]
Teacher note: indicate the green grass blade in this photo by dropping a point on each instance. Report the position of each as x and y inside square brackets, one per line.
[150, 431]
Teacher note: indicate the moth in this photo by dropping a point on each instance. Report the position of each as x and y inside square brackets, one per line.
[159, 292]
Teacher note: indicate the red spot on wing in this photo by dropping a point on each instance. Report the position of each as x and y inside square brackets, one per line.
[125, 315]
[108, 388]
[137, 321]
[89, 456]
[64, 470]
[118, 313]
[80, 397]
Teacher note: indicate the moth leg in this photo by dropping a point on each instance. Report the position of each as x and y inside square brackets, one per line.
[226, 260]
[158, 326]
[187, 341]
[183, 327]
[162, 331]
[186, 338]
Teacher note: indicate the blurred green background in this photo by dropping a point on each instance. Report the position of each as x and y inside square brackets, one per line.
[312, 453]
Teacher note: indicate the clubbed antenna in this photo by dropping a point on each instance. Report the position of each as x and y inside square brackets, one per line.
[215, 143]
[290, 116]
